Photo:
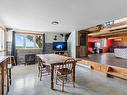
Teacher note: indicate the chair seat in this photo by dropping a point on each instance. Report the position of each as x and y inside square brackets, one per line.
[44, 65]
[64, 71]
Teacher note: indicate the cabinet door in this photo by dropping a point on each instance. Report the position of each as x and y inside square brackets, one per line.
[82, 51]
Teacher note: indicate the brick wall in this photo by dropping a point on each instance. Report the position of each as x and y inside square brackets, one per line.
[22, 52]
[49, 48]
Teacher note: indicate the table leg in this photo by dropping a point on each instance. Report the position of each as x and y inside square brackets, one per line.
[74, 75]
[7, 73]
[52, 76]
[10, 76]
[14, 60]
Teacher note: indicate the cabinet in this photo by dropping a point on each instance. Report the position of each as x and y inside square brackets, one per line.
[4, 75]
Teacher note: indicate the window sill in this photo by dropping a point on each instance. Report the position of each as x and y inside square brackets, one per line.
[2, 50]
[27, 48]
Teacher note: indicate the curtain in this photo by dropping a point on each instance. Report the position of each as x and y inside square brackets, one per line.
[13, 47]
[43, 48]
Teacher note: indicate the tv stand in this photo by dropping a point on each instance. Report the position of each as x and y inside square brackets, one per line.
[65, 53]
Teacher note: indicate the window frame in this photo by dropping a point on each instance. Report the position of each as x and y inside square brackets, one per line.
[34, 38]
[2, 41]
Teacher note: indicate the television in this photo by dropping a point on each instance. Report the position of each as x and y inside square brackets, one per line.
[60, 46]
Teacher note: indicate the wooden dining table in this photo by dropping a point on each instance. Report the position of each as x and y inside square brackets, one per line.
[53, 60]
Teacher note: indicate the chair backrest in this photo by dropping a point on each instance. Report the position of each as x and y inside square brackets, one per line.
[69, 64]
[40, 63]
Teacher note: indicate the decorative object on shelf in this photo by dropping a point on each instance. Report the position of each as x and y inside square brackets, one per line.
[108, 24]
[55, 38]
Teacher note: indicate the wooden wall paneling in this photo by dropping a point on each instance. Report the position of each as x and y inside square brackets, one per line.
[123, 42]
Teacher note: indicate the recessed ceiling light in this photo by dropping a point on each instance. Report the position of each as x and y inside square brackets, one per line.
[55, 22]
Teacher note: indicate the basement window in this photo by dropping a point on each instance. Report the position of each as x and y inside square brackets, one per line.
[28, 41]
[1, 42]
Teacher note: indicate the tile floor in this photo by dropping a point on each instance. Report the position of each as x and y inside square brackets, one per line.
[88, 82]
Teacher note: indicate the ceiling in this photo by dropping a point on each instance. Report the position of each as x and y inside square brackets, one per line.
[37, 15]
[117, 27]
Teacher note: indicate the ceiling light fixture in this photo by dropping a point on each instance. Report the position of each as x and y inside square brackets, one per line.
[55, 22]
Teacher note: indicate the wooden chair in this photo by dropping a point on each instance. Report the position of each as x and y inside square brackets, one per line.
[43, 69]
[12, 60]
[64, 72]
[10, 66]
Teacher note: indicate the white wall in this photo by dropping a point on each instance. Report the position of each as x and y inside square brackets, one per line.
[72, 42]
[49, 37]
[3, 37]
[9, 36]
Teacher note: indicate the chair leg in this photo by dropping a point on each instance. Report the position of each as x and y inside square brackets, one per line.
[73, 81]
[38, 72]
[73, 84]
[40, 75]
[48, 70]
[56, 81]
[63, 85]
[10, 76]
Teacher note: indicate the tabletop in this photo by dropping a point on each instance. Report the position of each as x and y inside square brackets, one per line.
[52, 58]
[2, 58]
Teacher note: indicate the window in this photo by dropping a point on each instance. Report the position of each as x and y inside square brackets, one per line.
[38, 41]
[1, 42]
[28, 41]
[103, 42]
[19, 41]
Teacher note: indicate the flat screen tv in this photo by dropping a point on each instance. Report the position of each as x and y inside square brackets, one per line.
[60, 46]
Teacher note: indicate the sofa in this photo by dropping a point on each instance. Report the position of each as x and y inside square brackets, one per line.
[120, 52]
[114, 47]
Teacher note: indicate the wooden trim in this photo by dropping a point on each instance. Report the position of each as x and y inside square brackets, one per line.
[1, 28]
[107, 69]
[26, 48]
[34, 33]
[2, 50]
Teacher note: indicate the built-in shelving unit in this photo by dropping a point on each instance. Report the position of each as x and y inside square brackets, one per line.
[117, 71]
[107, 69]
